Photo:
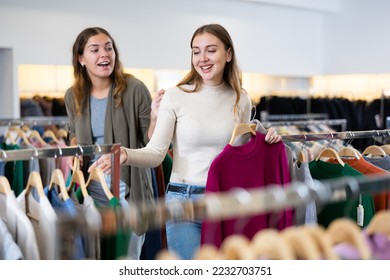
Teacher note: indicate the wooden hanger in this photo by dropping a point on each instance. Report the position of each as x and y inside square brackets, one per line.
[268, 243]
[208, 252]
[237, 247]
[241, 129]
[302, 156]
[57, 179]
[344, 230]
[303, 246]
[62, 133]
[165, 254]
[35, 181]
[386, 149]
[34, 134]
[8, 136]
[5, 187]
[321, 239]
[380, 223]
[20, 133]
[374, 150]
[330, 153]
[77, 178]
[349, 152]
[98, 175]
[50, 134]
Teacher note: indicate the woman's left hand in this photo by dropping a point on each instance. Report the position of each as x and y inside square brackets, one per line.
[272, 136]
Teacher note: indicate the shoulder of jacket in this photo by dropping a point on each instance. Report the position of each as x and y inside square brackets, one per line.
[68, 93]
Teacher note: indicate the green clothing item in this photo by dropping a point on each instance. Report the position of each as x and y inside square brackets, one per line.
[114, 246]
[13, 170]
[322, 170]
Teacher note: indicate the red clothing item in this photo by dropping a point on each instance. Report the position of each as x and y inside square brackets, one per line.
[256, 164]
[369, 169]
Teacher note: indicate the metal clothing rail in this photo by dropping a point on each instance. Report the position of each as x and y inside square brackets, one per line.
[291, 117]
[243, 203]
[36, 153]
[378, 135]
[341, 122]
[35, 121]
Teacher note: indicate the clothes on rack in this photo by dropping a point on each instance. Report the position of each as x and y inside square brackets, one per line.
[336, 108]
[46, 213]
[255, 164]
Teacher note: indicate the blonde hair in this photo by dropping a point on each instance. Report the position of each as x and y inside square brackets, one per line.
[231, 74]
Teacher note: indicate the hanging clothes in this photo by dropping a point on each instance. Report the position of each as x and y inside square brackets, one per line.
[114, 246]
[255, 164]
[44, 221]
[19, 226]
[324, 170]
[369, 169]
[13, 170]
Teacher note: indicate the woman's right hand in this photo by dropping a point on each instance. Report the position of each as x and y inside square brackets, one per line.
[104, 162]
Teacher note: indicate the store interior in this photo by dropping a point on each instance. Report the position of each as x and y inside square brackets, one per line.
[316, 71]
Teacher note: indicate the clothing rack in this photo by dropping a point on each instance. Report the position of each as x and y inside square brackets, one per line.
[243, 203]
[377, 135]
[27, 154]
[55, 120]
[264, 116]
[330, 122]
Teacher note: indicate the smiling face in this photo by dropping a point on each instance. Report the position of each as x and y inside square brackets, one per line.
[98, 57]
[209, 57]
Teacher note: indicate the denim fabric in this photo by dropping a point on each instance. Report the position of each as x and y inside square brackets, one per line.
[183, 238]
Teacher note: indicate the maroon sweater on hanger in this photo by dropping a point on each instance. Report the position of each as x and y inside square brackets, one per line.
[256, 164]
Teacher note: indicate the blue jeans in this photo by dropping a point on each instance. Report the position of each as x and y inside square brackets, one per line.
[183, 237]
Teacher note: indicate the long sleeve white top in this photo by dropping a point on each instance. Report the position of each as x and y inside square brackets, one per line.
[199, 125]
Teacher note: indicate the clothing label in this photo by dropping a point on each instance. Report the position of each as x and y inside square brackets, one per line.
[360, 215]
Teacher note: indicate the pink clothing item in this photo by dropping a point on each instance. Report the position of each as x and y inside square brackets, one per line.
[256, 164]
[379, 245]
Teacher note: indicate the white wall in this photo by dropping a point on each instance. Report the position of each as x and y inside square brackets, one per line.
[278, 37]
[357, 40]
[269, 39]
[156, 34]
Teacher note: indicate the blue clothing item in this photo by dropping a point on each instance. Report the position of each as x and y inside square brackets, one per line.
[98, 114]
[2, 170]
[152, 243]
[183, 237]
[67, 209]
[9, 250]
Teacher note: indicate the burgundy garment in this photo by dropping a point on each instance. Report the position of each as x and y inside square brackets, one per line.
[256, 164]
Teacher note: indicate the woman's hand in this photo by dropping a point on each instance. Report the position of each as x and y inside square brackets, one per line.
[156, 103]
[154, 111]
[104, 162]
[272, 136]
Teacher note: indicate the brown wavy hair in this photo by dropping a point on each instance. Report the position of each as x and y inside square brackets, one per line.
[231, 74]
[82, 82]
